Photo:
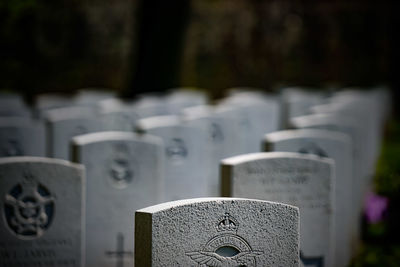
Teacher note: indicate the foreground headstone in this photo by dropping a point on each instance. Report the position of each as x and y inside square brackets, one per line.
[123, 174]
[42, 212]
[217, 232]
[63, 124]
[333, 145]
[185, 167]
[21, 136]
[304, 181]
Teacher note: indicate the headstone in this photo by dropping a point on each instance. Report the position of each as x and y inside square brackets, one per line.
[20, 136]
[258, 113]
[304, 181]
[42, 212]
[46, 102]
[217, 232]
[296, 101]
[349, 126]
[13, 105]
[64, 123]
[117, 115]
[181, 98]
[186, 168]
[220, 142]
[337, 146]
[124, 173]
[150, 105]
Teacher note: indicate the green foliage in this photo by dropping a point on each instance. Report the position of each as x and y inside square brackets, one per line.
[387, 178]
[378, 256]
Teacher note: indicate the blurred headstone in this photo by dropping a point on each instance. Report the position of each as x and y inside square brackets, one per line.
[337, 146]
[124, 173]
[186, 169]
[13, 105]
[64, 123]
[21, 136]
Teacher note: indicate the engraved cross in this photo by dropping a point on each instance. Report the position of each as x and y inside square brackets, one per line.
[120, 254]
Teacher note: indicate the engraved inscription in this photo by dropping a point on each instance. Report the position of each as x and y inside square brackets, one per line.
[28, 208]
[176, 150]
[120, 254]
[226, 249]
[216, 133]
[121, 167]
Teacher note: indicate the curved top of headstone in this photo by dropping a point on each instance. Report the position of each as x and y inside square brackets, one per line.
[321, 118]
[112, 135]
[306, 133]
[187, 202]
[272, 155]
[156, 122]
[28, 160]
[68, 113]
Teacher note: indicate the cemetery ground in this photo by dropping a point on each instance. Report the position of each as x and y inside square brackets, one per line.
[381, 246]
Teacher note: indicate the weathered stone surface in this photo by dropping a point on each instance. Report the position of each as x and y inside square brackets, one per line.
[333, 145]
[124, 173]
[42, 212]
[305, 181]
[217, 232]
[21, 136]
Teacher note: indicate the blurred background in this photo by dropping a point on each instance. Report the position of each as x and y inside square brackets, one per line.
[137, 46]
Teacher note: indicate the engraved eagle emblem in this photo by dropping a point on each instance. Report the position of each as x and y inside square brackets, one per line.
[212, 259]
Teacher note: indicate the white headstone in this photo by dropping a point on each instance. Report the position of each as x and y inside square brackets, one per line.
[64, 123]
[42, 212]
[117, 115]
[124, 173]
[337, 146]
[258, 113]
[304, 181]
[217, 232]
[186, 168]
[221, 138]
[21, 136]
[181, 98]
[349, 126]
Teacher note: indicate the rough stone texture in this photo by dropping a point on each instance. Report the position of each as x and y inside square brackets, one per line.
[21, 137]
[333, 145]
[305, 181]
[42, 212]
[195, 232]
[63, 124]
[351, 127]
[186, 169]
[123, 174]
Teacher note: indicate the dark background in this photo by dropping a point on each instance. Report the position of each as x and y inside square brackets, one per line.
[139, 46]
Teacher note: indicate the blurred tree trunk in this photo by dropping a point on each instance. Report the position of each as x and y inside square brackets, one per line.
[158, 46]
